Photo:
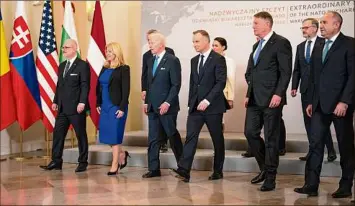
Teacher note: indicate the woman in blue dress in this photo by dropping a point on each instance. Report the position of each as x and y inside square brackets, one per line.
[112, 93]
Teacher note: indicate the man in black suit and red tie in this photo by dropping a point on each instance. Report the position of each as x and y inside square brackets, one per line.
[301, 73]
[144, 81]
[268, 74]
[206, 103]
[332, 101]
[71, 102]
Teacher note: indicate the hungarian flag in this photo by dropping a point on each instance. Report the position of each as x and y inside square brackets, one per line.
[47, 65]
[23, 72]
[96, 58]
[68, 29]
[7, 99]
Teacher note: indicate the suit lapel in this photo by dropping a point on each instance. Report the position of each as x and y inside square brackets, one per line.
[268, 44]
[150, 68]
[334, 47]
[72, 67]
[160, 65]
[205, 65]
[194, 65]
[302, 52]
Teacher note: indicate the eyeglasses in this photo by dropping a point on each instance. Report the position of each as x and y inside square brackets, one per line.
[305, 27]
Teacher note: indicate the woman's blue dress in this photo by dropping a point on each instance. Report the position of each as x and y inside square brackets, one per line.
[111, 128]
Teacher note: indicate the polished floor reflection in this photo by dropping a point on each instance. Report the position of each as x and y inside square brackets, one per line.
[26, 184]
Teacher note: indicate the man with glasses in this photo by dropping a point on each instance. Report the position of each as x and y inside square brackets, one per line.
[71, 102]
[301, 73]
[332, 101]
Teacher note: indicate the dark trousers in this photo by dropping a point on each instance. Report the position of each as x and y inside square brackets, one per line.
[166, 122]
[195, 121]
[307, 124]
[282, 139]
[266, 152]
[345, 137]
[61, 127]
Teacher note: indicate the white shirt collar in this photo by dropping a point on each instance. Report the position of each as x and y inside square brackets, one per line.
[207, 53]
[161, 54]
[313, 39]
[334, 37]
[268, 36]
[72, 60]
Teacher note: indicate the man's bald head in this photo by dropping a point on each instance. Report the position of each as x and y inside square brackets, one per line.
[69, 48]
[156, 42]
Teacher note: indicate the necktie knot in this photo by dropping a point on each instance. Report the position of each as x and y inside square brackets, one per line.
[328, 41]
[309, 42]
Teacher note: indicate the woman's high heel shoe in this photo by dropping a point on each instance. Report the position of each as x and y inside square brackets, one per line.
[115, 172]
[125, 163]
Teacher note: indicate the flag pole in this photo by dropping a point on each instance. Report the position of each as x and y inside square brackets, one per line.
[46, 135]
[21, 157]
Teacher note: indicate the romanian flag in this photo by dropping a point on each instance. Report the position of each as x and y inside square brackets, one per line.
[7, 102]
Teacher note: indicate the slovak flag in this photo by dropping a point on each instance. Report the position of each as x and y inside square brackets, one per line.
[23, 72]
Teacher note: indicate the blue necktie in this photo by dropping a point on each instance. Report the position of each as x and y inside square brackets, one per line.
[308, 51]
[258, 50]
[155, 65]
[326, 49]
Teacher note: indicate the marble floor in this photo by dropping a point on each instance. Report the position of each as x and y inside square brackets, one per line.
[24, 183]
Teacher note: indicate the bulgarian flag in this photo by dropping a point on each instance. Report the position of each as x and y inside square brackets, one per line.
[68, 29]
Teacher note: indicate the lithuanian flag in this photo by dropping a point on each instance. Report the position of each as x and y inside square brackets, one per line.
[7, 103]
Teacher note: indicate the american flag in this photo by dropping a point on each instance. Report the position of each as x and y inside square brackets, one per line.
[47, 65]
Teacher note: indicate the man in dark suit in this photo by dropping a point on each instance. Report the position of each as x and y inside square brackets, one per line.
[332, 101]
[268, 74]
[206, 103]
[71, 102]
[162, 102]
[144, 81]
[302, 71]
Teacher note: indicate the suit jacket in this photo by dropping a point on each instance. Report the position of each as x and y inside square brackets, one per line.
[73, 88]
[119, 87]
[333, 81]
[301, 69]
[146, 58]
[230, 83]
[209, 84]
[165, 85]
[272, 72]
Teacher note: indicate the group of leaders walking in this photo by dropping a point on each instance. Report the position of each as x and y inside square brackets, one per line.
[324, 65]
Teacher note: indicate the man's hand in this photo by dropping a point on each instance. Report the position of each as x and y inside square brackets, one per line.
[293, 92]
[275, 101]
[143, 95]
[309, 110]
[145, 108]
[119, 113]
[202, 106]
[80, 107]
[98, 109]
[54, 107]
[230, 102]
[340, 109]
[246, 101]
[164, 108]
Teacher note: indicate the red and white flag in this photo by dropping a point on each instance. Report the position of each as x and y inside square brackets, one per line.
[96, 58]
[47, 65]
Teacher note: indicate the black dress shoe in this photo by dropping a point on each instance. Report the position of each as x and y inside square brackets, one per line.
[282, 152]
[259, 178]
[342, 193]
[353, 201]
[181, 175]
[268, 185]
[216, 176]
[247, 154]
[164, 148]
[303, 158]
[332, 157]
[311, 192]
[52, 166]
[81, 167]
[150, 174]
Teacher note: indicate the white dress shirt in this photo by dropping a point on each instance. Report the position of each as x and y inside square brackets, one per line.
[312, 45]
[205, 56]
[266, 39]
